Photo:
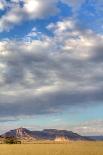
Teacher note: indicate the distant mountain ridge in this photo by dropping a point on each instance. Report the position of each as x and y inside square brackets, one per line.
[97, 138]
[46, 134]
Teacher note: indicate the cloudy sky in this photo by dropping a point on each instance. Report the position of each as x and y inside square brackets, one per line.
[51, 65]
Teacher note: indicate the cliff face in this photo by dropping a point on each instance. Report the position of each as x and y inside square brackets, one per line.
[23, 133]
[61, 139]
[20, 133]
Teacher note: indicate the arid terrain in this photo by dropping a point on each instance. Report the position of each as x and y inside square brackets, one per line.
[70, 148]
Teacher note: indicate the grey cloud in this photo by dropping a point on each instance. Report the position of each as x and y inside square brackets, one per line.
[97, 54]
[48, 103]
[42, 78]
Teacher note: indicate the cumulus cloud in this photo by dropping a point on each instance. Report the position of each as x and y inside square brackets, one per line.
[18, 11]
[31, 9]
[50, 74]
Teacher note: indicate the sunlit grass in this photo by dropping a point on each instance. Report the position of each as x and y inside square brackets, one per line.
[72, 148]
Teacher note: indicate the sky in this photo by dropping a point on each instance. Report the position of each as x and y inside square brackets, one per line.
[51, 65]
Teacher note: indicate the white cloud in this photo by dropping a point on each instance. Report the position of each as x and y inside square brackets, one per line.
[94, 127]
[38, 9]
[32, 6]
[31, 10]
[17, 14]
[2, 4]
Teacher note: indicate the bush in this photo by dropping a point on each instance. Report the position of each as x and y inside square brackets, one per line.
[11, 140]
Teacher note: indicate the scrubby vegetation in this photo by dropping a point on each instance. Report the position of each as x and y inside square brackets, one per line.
[11, 140]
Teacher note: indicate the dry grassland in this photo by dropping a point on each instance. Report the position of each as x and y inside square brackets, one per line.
[71, 148]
